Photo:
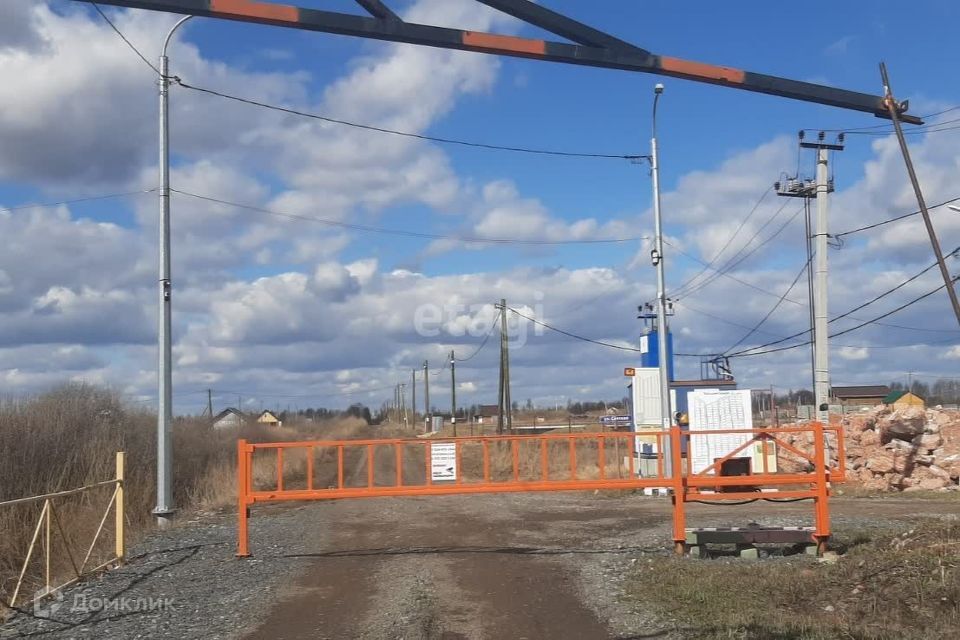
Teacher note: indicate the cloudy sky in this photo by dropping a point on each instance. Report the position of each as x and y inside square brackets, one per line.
[348, 257]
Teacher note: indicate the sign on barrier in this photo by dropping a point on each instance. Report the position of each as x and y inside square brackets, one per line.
[443, 461]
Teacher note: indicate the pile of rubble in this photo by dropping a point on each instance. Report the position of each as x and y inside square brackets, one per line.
[907, 449]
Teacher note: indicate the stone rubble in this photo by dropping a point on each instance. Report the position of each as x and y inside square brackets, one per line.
[887, 449]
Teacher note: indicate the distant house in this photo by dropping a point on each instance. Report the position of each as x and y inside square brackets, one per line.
[486, 412]
[861, 395]
[269, 418]
[903, 399]
[228, 418]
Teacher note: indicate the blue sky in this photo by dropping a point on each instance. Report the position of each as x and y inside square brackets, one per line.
[259, 292]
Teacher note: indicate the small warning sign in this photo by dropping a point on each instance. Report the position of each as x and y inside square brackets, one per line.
[443, 461]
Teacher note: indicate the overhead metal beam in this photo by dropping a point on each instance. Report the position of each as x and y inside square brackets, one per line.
[560, 24]
[611, 53]
[377, 9]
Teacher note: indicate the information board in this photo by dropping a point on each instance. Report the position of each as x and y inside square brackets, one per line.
[443, 461]
[715, 409]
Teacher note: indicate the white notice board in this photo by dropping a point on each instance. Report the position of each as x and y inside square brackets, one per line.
[715, 409]
[443, 461]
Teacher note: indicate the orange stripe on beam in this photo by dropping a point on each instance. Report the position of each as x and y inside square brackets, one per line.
[701, 70]
[504, 43]
[250, 8]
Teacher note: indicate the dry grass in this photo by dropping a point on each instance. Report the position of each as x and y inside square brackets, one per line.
[887, 586]
[67, 438]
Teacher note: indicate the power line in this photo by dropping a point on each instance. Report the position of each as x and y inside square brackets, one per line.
[852, 311]
[45, 205]
[845, 331]
[496, 321]
[772, 309]
[573, 335]
[729, 240]
[124, 38]
[895, 219]
[403, 232]
[407, 134]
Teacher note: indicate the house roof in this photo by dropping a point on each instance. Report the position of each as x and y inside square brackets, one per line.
[226, 412]
[864, 391]
[893, 396]
[269, 414]
[488, 410]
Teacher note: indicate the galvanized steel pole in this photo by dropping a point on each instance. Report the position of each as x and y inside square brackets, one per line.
[164, 507]
[657, 259]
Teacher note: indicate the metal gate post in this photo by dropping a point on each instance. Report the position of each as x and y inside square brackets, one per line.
[821, 506]
[678, 478]
[243, 513]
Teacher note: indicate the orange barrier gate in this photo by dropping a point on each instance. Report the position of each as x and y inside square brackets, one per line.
[334, 469]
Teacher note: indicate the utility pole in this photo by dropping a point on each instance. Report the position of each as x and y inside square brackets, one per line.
[503, 349]
[656, 257]
[426, 395]
[453, 392]
[505, 414]
[403, 403]
[413, 393]
[210, 403]
[821, 188]
[895, 110]
[164, 507]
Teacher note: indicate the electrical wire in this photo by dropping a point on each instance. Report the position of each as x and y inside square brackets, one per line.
[124, 38]
[403, 232]
[895, 219]
[496, 321]
[407, 134]
[845, 331]
[753, 330]
[45, 205]
[728, 242]
[858, 308]
[573, 335]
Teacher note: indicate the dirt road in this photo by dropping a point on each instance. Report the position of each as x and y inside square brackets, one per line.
[457, 567]
[542, 566]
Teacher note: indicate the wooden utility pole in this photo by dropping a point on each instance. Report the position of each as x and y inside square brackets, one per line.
[505, 413]
[426, 395]
[453, 392]
[503, 349]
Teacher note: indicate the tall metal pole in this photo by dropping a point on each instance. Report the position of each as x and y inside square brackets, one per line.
[164, 507]
[413, 393]
[426, 395]
[503, 352]
[453, 392]
[894, 108]
[657, 259]
[821, 342]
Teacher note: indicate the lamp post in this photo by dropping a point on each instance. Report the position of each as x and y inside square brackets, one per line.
[164, 508]
[656, 256]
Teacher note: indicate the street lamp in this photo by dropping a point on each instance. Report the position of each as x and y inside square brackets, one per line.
[954, 207]
[164, 508]
[656, 257]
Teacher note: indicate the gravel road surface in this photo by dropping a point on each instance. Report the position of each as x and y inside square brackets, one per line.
[454, 567]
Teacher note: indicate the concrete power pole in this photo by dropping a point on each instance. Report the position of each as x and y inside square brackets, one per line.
[426, 395]
[403, 403]
[413, 393]
[453, 392]
[822, 187]
[821, 342]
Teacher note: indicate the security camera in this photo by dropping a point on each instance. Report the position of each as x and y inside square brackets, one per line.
[658, 88]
